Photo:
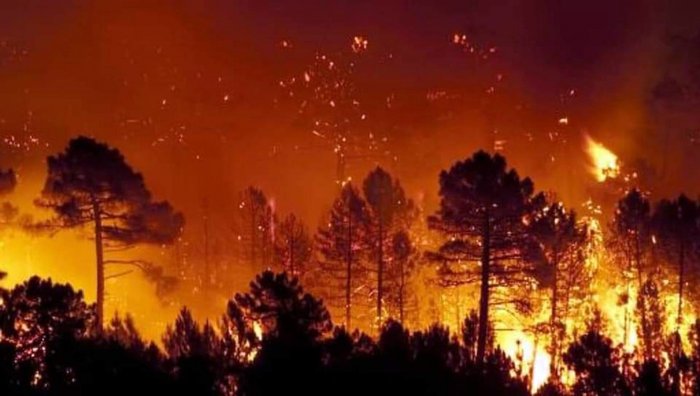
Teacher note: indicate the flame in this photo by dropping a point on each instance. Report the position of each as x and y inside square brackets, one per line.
[605, 163]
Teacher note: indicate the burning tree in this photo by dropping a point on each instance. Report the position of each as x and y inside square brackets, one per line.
[563, 241]
[677, 231]
[481, 215]
[390, 212]
[630, 242]
[405, 257]
[35, 318]
[254, 228]
[293, 246]
[340, 243]
[91, 184]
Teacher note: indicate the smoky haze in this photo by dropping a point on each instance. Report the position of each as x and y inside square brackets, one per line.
[190, 92]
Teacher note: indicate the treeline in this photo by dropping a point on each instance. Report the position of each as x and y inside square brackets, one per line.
[376, 261]
[276, 339]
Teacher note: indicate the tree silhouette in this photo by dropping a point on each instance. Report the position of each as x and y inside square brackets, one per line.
[196, 354]
[35, 318]
[481, 214]
[8, 181]
[404, 259]
[676, 228]
[340, 244]
[91, 184]
[649, 381]
[282, 308]
[596, 364]
[563, 241]
[630, 241]
[293, 246]
[116, 362]
[293, 323]
[390, 211]
[254, 228]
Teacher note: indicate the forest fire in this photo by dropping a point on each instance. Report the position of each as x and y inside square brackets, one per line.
[604, 163]
[359, 198]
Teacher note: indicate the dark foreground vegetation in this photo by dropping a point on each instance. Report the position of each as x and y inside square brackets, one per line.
[276, 340]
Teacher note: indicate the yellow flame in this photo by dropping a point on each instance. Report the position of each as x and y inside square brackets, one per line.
[605, 163]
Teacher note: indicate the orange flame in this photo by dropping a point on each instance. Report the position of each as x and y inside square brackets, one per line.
[604, 163]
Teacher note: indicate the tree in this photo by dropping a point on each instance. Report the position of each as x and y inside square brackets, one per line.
[293, 324]
[482, 208]
[404, 256]
[116, 362]
[390, 210]
[293, 246]
[283, 310]
[196, 354]
[595, 363]
[676, 230]
[8, 181]
[35, 318]
[562, 242]
[630, 241]
[254, 228]
[91, 184]
[340, 243]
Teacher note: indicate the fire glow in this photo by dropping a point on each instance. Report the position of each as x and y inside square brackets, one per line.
[604, 163]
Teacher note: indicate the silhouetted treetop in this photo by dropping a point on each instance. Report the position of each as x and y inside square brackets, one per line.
[8, 181]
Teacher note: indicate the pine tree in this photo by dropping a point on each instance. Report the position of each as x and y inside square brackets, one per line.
[293, 246]
[340, 244]
[676, 231]
[562, 240]
[390, 211]
[630, 241]
[482, 210]
[91, 184]
[254, 227]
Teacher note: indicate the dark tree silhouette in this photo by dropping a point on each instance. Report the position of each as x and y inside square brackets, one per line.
[196, 354]
[650, 381]
[281, 307]
[676, 228]
[91, 184]
[390, 211]
[596, 364]
[35, 318]
[116, 362]
[482, 208]
[630, 240]
[8, 181]
[8, 212]
[293, 246]
[340, 244]
[400, 294]
[253, 227]
[293, 323]
[563, 242]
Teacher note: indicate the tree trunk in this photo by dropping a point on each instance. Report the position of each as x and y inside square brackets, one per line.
[380, 273]
[401, 291]
[484, 296]
[646, 334]
[291, 253]
[554, 328]
[99, 256]
[681, 280]
[253, 233]
[348, 276]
